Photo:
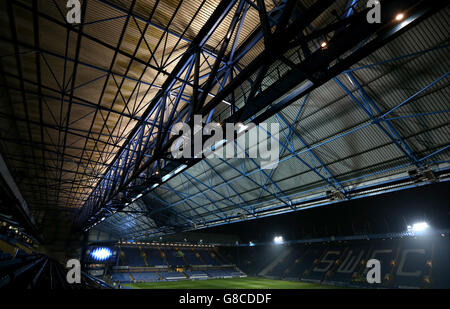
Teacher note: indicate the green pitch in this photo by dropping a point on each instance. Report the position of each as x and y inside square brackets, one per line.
[235, 283]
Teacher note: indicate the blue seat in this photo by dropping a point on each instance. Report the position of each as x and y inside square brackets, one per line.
[133, 257]
[145, 276]
[122, 277]
[172, 258]
[154, 257]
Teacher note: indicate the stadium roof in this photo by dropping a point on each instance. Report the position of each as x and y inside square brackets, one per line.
[86, 108]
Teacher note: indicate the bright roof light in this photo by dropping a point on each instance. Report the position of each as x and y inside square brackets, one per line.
[399, 16]
[242, 127]
[418, 227]
[251, 244]
[101, 254]
[176, 171]
[278, 240]
[323, 44]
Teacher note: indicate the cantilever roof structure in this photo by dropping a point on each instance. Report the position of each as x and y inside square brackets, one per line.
[86, 108]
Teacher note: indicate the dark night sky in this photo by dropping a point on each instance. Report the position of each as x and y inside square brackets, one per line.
[389, 212]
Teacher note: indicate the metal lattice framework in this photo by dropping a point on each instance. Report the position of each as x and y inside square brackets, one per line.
[89, 108]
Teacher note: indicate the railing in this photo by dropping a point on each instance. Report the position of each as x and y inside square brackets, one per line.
[13, 271]
[40, 271]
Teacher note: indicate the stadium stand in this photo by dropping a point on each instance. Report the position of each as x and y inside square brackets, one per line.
[145, 276]
[219, 259]
[349, 265]
[228, 272]
[302, 262]
[191, 258]
[133, 257]
[406, 262]
[172, 258]
[412, 265]
[154, 257]
[440, 263]
[196, 274]
[252, 260]
[207, 258]
[322, 265]
[172, 275]
[151, 263]
[121, 276]
[281, 268]
[4, 256]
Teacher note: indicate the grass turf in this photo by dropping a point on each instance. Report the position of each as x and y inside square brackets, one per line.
[235, 283]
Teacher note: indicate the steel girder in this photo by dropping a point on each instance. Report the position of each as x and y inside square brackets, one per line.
[127, 165]
[106, 190]
[315, 68]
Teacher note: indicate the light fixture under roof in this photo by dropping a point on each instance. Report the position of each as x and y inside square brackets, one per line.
[278, 240]
[399, 16]
[418, 227]
[101, 254]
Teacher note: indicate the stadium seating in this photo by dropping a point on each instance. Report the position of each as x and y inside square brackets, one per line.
[251, 259]
[196, 274]
[15, 258]
[440, 263]
[123, 277]
[172, 275]
[190, 257]
[223, 273]
[172, 258]
[167, 263]
[166, 274]
[167, 256]
[325, 263]
[154, 257]
[405, 263]
[219, 258]
[350, 264]
[302, 262]
[133, 257]
[281, 268]
[207, 258]
[408, 262]
[145, 276]
[410, 268]
[4, 256]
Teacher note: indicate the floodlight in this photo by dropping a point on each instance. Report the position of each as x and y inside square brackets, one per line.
[101, 254]
[418, 227]
[278, 240]
[399, 16]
